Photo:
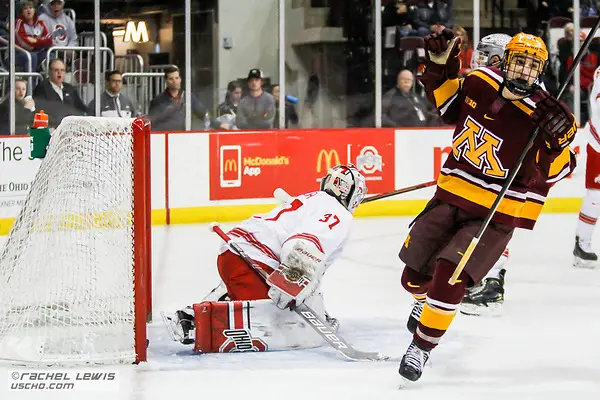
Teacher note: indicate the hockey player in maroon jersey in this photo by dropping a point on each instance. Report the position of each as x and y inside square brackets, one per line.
[488, 296]
[495, 111]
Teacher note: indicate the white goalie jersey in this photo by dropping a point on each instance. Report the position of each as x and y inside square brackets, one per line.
[594, 112]
[316, 218]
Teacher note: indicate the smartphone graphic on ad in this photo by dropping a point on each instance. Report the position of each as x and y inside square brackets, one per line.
[231, 165]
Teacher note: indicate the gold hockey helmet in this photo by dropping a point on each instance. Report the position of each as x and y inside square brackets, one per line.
[525, 57]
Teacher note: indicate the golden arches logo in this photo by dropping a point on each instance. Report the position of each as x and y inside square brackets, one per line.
[230, 165]
[330, 156]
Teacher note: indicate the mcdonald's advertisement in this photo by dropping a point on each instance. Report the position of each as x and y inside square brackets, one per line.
[251, 165]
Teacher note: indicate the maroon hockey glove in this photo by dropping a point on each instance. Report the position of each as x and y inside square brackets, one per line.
[443, 49]
[555, 120]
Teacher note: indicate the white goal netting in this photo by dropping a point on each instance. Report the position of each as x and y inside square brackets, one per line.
[67, 269]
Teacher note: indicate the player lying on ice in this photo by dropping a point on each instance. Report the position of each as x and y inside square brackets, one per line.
[303, 236]
[495, 111]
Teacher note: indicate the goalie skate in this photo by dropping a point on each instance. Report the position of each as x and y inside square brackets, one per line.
[180, 326]
[584, 257]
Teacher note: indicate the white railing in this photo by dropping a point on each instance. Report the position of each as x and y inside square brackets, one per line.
[5, 44]
[129, 63]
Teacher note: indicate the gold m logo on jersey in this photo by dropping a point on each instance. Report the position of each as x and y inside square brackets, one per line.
[330, 156]
[479, 147]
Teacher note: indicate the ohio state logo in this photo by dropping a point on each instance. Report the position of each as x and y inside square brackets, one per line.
[60, 33]
[239, 341]
[369, 161]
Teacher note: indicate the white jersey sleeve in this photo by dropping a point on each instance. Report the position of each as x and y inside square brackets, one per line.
[316, 217]
[594, 111]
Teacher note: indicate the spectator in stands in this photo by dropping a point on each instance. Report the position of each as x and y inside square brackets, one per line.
[402, 13]
[113, 103]
[59, 24]
[587, 67]
[24, 108]
[291, 116]
[32, 34]
[4, 10]
[560, 8]
[57, 98]
[401, 106]
[432, 14]
[167, 110]
[232, 99]
[565, 50]
[227, 111]
[589, 8]
[257, 109]
[466, 51]
[449, 8]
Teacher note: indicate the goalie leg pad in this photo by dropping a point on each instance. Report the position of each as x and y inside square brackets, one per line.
[251, 326]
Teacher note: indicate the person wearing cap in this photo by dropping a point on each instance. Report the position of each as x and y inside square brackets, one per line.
[257, 109]
[59, 24]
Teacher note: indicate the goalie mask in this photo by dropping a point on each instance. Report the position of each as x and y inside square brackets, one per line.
[490, 50]
[346, 184]
[525, 57]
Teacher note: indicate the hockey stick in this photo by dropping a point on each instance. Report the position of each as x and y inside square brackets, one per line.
[282, 196]
[513, 173]
[306, 313]
[399, 191]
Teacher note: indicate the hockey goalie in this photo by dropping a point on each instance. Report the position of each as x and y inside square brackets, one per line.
[300, 238]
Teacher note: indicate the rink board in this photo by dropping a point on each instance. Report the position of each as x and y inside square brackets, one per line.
[228, 176]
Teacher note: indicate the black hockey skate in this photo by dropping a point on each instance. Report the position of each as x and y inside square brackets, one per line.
[485, 298]
[413, 362]
[181, 325]
[415, 316]
[583, 258]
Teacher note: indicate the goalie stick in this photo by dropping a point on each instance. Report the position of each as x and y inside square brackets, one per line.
[283, 197]
[306, 313]
[399, 191]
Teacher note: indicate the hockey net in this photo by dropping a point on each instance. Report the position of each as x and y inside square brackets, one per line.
[75, 269]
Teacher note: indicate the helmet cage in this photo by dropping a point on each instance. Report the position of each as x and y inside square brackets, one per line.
[488, 47]
[346, 184]
[521, 72]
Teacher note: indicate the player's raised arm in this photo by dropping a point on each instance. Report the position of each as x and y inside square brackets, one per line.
[440, 78]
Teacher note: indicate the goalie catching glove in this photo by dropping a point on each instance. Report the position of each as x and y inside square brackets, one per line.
[555, 121]
[298, 274]
[443, 50]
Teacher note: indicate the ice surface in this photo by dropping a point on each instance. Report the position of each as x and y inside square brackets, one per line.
[544, 346]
